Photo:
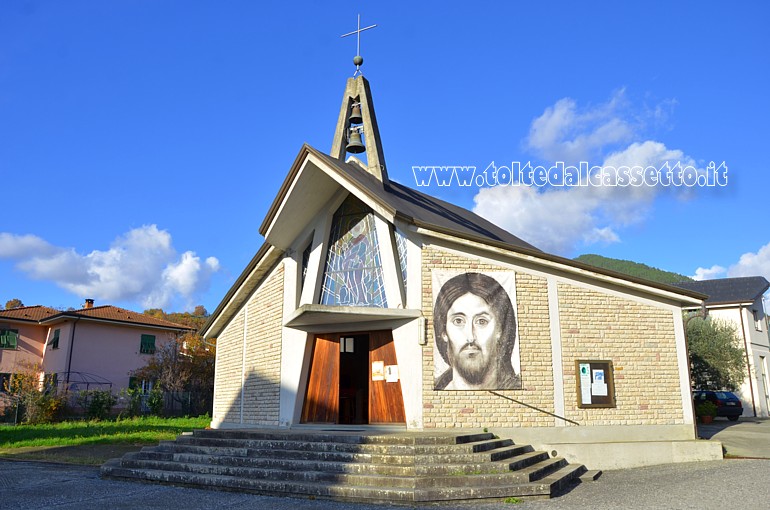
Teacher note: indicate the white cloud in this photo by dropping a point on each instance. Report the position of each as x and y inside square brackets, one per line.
[141, 265]
[15, 246]
[752, 264]
[558, 220]
[567, 133]
[749, 264]
[703, 273]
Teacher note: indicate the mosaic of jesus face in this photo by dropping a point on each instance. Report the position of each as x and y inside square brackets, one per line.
[472, 336]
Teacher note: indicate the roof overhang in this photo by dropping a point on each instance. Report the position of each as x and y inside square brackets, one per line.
[668, 292]
[75, 317]
[259, 266]
[317, 317]
[312, 182]
[725, 304]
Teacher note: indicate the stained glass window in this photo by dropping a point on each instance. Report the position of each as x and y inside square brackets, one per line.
[401, 247]
[353, 272]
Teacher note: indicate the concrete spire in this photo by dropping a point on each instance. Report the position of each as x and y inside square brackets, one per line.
[357, 91]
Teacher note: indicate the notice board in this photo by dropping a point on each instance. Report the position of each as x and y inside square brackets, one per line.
[595, 384]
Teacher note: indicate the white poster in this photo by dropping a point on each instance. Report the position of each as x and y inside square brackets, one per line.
[599, 387]
[378, 371]
[475, 331]
[391, 373]
[585, 383]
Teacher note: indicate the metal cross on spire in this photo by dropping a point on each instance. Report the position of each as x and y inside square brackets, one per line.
[358, 60]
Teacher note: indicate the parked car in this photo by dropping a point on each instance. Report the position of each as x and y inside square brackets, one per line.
[728, 405]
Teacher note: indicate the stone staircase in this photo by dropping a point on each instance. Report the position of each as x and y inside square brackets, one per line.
[399, 469]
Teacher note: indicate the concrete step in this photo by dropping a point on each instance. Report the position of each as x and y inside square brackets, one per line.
[283, 475]
[372, 494]
[314, 446]
[401, 460]
[278, 463]
[309, 437]
[563, 478]
[261, 486]
[329, 446]
[398, 469]
[483, 456]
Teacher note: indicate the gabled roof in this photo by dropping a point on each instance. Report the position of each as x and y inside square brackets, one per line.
[723, 291]
[106, 313]
[415, 207]
[393, 199]
[28, 313]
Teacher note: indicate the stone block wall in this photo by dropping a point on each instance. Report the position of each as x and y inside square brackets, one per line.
[227, 376]
[638, 339]
[263, 352]
[448, 409]
[261, 367]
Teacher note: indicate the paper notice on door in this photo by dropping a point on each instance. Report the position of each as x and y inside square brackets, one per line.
[391, 373]
[378, 370]
[585, 383]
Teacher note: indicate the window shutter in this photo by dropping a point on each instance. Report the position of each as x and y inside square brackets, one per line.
[9, 338]
[55, 340]
[147, 345]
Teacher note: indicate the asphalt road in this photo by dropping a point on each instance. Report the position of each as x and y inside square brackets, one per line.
[698, 485]
[747, 437]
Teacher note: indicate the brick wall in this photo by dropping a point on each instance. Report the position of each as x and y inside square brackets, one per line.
[638, 339]
[227, 378]
[263, 352]
[446, 409]
[262, 316]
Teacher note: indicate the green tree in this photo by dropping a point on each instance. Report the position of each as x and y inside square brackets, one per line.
[716, 359]
[13, 303]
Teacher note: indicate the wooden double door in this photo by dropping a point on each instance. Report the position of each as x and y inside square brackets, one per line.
[354, 380]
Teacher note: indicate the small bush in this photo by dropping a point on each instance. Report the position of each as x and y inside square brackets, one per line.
[155, 401]
[133, 399]
[38, 403]
[96, 404]
[706, 408]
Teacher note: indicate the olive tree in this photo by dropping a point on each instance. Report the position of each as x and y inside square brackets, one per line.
[717, 360]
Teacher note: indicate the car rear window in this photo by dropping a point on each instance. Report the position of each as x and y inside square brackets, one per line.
[725, 395]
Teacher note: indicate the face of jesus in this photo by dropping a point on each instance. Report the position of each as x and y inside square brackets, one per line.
[472, 334]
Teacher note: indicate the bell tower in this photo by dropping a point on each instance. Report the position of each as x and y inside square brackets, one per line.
[357, 130]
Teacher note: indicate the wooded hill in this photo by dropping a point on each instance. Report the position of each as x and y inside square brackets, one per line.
[193, 320]
[633, 269]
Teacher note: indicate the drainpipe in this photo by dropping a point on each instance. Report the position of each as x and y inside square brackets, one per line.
[748, 363]
[72, 348]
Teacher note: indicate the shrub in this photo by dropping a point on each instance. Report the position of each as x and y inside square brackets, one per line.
[133, 400]
[38, 403]
[706, 408]
[155, 401]
[96, 404]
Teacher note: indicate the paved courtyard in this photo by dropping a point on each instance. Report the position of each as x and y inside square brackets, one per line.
[698, 485]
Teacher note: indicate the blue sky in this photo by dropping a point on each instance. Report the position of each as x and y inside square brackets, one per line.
[142, 142]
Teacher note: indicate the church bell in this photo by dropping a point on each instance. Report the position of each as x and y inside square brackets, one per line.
[355, 115]
[355, 145]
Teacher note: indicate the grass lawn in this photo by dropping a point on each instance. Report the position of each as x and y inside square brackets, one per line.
[90, 442]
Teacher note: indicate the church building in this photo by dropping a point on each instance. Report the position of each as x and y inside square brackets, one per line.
[373, 306]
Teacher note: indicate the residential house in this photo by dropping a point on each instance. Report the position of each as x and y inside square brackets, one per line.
[739, 302]
[94, 347]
